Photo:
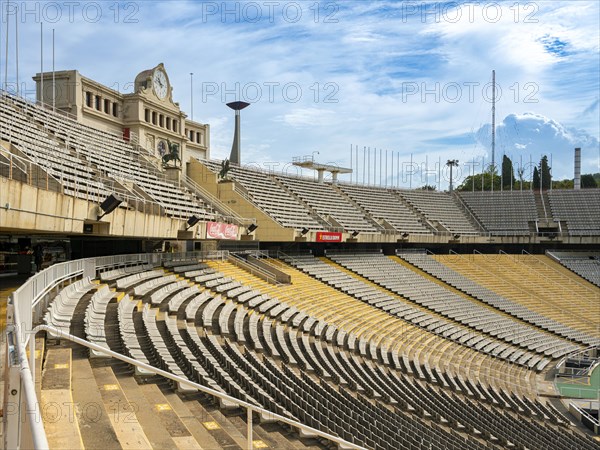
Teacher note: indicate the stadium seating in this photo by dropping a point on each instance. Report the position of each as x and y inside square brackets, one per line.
[410, 285]
[444, 273]
[502, 213]
[440, 207]
[531, 282]
[383, 205]
[292, 364]
[264, 191]
[328, 203]
[579, 209]
[586, 265]
[90, 163]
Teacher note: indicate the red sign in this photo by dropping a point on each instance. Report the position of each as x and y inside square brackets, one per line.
[218, 230]
[328, 236]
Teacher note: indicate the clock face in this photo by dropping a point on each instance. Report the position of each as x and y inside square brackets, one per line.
[159, 83]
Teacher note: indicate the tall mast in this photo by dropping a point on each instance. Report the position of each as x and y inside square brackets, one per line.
[493, 119]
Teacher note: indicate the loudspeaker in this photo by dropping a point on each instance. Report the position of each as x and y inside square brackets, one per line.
[110, 204]
[193, 220]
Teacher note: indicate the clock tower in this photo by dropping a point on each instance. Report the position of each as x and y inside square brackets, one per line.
[147, 117]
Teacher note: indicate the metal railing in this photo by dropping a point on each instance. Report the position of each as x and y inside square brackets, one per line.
[23, 427]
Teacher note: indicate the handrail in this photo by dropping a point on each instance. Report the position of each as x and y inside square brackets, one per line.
[215, 203]
[467, 209]
[238, 261]
[63, 335]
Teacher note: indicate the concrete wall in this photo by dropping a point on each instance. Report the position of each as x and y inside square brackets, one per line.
[268, 229]
[25, 208]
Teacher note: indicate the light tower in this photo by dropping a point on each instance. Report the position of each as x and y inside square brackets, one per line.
[451, 163]
[235, 157]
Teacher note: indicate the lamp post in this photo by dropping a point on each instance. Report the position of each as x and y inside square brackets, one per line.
[235, 157]
[451, 163]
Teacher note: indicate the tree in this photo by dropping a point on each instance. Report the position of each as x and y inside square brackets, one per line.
[536, 178]
[427, 187]
[588, 181]
[545, 173]
[507, 172]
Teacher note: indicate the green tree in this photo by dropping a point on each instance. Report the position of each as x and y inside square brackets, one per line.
[427, 187]
[588, 181]
[545, 173]
[507, 172]
[536, 178]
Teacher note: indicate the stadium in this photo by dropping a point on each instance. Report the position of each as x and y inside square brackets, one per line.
[156, 297]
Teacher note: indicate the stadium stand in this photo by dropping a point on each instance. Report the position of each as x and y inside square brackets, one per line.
[92, 164]
[579, 209]
[440, 208]
[584, 264]
[403, 281]
[330, 204]
[534, 284]
[440, 271]
[502, 213]
[264, 191]
[352, 390]
[385, 207]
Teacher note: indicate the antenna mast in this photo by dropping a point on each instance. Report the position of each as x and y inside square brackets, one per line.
[493, 119]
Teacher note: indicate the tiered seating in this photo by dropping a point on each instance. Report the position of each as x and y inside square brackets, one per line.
[352, 323]
[342, 382]
[405, 282]
[440, 207]
[268, 195]
[327, 202]
[381, 204]
[94, 318]
[502, 213]
[586, 265]
[398, 307]
[90, 163]
[580, 209]
[532, 282]
[60, 312]
[462, 283]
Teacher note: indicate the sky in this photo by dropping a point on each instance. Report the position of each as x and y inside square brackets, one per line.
[346, 82]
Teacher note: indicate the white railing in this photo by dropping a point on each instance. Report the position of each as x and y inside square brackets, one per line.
[22, 424]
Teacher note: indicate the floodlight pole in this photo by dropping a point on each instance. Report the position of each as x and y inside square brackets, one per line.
[451, 163]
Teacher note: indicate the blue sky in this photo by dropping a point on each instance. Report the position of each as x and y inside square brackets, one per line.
[406, 77]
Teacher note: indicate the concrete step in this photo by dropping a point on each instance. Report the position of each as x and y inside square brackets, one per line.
[121, 411]
[168, 417]
[94, 419]
[58, 408]
[146, 414]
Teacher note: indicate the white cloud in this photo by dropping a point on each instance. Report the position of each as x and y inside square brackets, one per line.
[374, 52]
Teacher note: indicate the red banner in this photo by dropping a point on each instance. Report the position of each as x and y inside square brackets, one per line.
[328, 236]
[218, 230]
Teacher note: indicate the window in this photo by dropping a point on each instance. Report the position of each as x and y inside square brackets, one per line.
[161, 120]
[107, 106]
[168, 123]
[115, 109]
[153, 117]
[147, 115]
[98, 103]
[175, 125]
[88, 99]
